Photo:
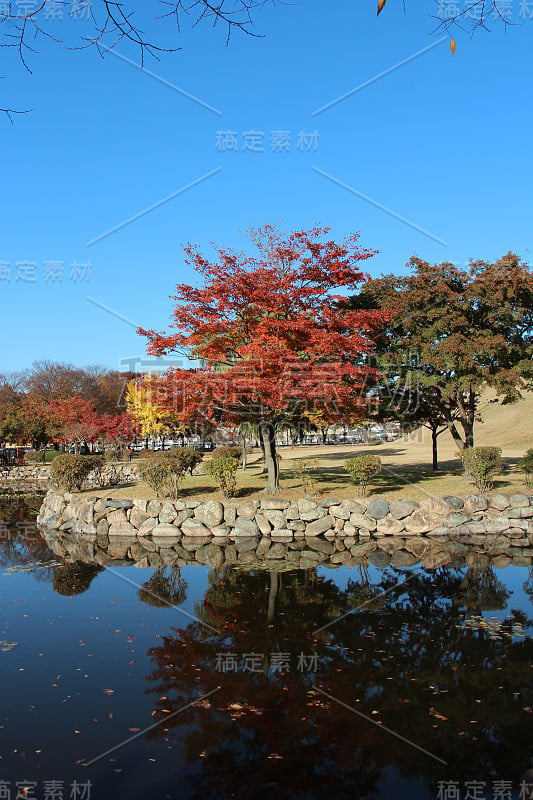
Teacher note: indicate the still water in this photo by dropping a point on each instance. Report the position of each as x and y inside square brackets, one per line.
[190, 682]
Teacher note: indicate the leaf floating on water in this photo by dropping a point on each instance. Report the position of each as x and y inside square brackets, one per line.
[108, 691]
[381, 6]
[6, 646]
[452, 46]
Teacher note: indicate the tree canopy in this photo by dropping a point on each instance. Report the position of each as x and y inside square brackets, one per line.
[272, 334]
[452, 333]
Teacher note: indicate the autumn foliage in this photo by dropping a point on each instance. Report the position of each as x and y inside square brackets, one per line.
[270, 334]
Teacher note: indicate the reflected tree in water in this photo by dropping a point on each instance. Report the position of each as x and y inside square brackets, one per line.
[406, 661]
[75, 578]
[164, 588]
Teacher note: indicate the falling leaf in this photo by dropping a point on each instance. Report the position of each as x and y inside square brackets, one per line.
[435, 713]
[452, 46]
[381, 6]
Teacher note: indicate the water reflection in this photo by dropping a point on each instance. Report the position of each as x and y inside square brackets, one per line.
[358, 682]
[406, 660]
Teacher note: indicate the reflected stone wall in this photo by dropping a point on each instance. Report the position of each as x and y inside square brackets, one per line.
[279, 534]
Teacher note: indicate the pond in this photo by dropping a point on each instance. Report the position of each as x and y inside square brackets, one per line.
[244, 682]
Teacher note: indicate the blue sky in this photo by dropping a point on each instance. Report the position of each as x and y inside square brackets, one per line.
[442, 142]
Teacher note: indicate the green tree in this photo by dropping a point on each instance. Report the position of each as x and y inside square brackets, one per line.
[451, 334]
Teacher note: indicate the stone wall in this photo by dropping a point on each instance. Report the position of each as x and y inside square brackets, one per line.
[32, 477]
[36, 477]
[302, 533]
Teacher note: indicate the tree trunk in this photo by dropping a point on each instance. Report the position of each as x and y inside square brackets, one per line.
[434, 436]
[268, 437]
[272, 597]
[324, 432]
[243, 452]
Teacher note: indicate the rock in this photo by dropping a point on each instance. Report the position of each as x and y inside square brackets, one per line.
[249, 559]
[475, 502]
[138, 516]
[247, 510]
[390, 526]
[221, 530]
[292, 513]
[314, 513]
[378, 508]
[379, 559]
[137, 551]
[244, 526]
[192, 528]
[306, 505]
[401, 558]
[402, 508]
[417, 546]
[497, 524]
[434, 505]
[501, 562]
[519, 501]
[435, 560]
[246, 544]
[323, 546]
[296, 525]
[192, 543]
[320, 526]
[142, 563]
[119, 545]
[362, 521]
[276, 518]
[457, 503]
[263, 524]
[153, 508]
[230, 513]
[274, 504]
[147, 544]
[192, 504]
[147, 526]
[124, 504]
[454, 518]
[277, 550]
[117, 516]
[183, 514]
[285, 534]
[210, 513]
[339, 512]
[102, 528]
[263, 548]
[141, 505]
[168, 513]
[122, 529]
[155, 560]
[329, 501]
[499, 501]
[421, 522]
[210, 554]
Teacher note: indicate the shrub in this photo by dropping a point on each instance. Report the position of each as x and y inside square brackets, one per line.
[164, 470]
[481, 464]
[362, 469]
[40, 457]
[302, 468]
[526, 465]
[70, 471]
[228, 452]
[223, 468]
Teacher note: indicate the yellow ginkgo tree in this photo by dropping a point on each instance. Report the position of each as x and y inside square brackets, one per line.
[152, 419]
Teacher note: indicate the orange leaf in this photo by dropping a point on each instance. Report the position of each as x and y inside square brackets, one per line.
[452, 46]
[381, 6]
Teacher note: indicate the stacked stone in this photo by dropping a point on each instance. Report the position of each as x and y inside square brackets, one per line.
[298, 534]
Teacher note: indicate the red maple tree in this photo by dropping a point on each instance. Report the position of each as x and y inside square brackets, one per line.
[270, 333]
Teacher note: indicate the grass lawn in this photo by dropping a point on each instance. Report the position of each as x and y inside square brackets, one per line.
[406, 463]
